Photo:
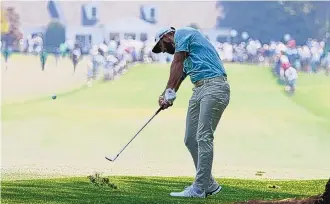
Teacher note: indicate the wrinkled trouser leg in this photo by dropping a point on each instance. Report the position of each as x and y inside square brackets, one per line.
[204, 112]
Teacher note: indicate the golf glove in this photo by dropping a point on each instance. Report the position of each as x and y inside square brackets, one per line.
[167, 99]
[170, 95]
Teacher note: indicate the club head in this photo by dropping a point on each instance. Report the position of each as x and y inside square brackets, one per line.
[112, 159]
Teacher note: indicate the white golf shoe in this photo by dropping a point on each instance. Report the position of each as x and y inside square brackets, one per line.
[213, 189]
[190, 192]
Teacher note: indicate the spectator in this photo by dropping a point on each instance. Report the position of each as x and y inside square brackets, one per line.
[291, 77]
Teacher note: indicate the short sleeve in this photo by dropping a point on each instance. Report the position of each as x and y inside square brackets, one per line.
[182, 40]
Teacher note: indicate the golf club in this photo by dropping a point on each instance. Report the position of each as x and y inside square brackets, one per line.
[114, 158]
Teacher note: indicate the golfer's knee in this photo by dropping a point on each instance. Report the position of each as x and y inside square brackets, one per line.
[190, 142]
[205, 134]
[205, 145]
[205, 139]
[187, 142]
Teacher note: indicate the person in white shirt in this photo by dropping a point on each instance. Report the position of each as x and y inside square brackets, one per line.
[291, 77]
[104, 47]
[305, 58]
[285, 64]
[109, 68]
[228, 52]
[96, 60]
[315, 59]
[38, 42]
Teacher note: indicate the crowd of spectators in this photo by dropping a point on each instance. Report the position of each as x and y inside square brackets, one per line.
[286, 58]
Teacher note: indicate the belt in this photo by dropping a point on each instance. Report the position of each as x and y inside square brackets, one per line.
[204, 81]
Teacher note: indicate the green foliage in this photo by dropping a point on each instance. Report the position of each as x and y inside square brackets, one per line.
[12, 25]
[271, 20]
[54, 36]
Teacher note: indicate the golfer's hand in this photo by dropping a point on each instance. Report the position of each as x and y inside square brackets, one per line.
[164, 103]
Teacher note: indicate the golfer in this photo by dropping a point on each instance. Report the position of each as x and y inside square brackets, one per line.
[195, 56]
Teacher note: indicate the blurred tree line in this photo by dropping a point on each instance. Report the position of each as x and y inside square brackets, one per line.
[271, 20]
[11, 33]
[10, 27]
[54, 36]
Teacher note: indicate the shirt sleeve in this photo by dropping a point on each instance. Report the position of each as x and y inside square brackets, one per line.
[182, 40]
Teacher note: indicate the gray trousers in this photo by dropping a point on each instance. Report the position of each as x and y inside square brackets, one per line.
[206, 106]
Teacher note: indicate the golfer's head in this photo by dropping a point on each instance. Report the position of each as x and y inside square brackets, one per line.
[165, 41]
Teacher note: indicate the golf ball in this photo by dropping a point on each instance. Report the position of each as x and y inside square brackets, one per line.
[54, 96]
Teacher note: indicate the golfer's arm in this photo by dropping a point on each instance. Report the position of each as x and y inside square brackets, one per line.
[176, 71]
[178, 85]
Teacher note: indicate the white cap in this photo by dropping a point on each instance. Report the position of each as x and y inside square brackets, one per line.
[159, 36]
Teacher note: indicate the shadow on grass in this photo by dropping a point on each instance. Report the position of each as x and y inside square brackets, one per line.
[136, 190]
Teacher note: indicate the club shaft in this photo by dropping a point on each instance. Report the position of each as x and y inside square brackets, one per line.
[139, 131]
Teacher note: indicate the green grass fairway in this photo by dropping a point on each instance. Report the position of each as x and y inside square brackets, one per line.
[149, 190]
[261, 130]
[314, 94]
